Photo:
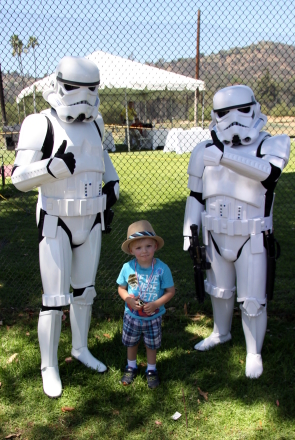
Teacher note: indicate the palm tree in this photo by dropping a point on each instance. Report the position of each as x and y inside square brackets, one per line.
[33, 43]
[17, 50]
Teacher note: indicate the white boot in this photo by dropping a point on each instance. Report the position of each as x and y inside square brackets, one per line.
[222, 314]
[254, 320]
[80, 317]
[49, 328]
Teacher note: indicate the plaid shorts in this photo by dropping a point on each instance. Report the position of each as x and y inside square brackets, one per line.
[133, 328]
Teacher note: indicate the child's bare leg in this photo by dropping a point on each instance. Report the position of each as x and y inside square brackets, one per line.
[151, 356]
[132, 352]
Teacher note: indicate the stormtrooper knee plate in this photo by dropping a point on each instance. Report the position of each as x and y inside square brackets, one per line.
[80, 317]
[49, 328]
[254, 320]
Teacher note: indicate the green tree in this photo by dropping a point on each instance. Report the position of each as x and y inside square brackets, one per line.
[267, 91]
[17, 50]
[33, 43]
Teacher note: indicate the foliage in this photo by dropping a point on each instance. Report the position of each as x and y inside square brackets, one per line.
[207, 113]
[15, 114]
[17, 46]
[267, 91]
[282, 110]
[111, 109]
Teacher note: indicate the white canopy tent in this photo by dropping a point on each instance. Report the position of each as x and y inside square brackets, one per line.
[120, 73]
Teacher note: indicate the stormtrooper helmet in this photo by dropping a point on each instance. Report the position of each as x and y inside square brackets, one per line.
[73, 91]
[236, 116]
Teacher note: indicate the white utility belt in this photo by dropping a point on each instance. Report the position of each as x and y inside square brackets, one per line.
[236, 227]
[73, 207]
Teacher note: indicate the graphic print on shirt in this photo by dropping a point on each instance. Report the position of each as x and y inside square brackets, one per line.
[132, 281]
[150, 289]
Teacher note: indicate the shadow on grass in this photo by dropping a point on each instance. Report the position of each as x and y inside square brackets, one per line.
[104, 408]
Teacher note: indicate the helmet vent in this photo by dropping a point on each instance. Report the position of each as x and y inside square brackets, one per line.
[236, 140]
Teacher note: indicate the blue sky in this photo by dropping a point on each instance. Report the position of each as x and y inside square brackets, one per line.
[145, 30]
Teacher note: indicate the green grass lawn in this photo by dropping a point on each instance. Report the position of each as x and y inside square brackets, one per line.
[153, 187]
[209, 389]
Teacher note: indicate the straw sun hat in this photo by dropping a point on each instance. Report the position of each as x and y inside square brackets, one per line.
[138, 230]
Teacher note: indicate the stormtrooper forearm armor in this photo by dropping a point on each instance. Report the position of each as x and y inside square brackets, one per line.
[194, 208]
[32, 175]
[193, 212]
[111, 179]
[252, 167]
[244, 164]
[33, 166]
[274, 153]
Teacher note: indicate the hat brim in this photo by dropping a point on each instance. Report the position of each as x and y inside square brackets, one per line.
[125, 245]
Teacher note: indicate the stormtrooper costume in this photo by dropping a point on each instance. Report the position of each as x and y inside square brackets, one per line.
[60, 152]
[232, 181]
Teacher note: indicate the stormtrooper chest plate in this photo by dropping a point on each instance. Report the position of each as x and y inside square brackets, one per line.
[222, 181]
[84, 142]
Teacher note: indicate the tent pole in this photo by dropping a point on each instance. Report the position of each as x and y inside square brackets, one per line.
[34, 99]
[196, 119]
[18, 113]
[203, 105]
[127, 122]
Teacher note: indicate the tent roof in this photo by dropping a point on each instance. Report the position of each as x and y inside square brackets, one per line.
[120, 73]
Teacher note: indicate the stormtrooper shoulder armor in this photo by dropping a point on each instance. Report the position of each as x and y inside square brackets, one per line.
[33, 133]
[110, 173]
[276, 149]
[196, 164]
[99, 122]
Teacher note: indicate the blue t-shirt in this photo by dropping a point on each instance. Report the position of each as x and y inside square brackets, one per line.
[160, 280]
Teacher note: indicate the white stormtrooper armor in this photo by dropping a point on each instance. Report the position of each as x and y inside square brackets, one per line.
[236, 116]
[232, 181]
[74, 91]
[62, 155]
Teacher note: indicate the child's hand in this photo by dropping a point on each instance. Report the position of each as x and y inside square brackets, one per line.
[132, 302]
[150, 307]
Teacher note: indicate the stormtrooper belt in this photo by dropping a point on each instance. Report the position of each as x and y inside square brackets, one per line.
[236, 227]
[73, 207]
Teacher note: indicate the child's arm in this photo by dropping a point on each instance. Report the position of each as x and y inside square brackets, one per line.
[130, 300]
[150, 307]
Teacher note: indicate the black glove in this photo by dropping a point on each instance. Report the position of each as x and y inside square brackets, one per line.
[108, 189]
[108, 218]
[68, 158]
[216, 142]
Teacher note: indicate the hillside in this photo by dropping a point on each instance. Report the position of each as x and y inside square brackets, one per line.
[240, 63]
[269, 68]
[13, 84]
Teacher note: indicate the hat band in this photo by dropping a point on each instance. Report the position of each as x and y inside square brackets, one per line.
[142, 234]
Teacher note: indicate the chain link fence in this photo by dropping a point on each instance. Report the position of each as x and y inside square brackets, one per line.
[180, 54]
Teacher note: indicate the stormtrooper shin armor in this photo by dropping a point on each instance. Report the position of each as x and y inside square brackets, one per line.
[232, 192]
[63, 156]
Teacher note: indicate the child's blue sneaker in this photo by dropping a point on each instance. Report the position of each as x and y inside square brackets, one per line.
[129, 375]
[152, 378]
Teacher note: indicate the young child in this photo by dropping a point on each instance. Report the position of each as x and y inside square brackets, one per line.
[145, 284]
